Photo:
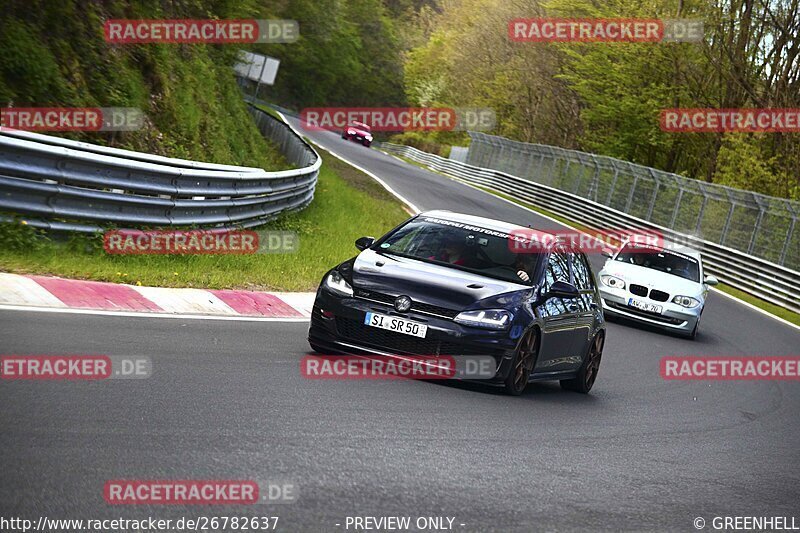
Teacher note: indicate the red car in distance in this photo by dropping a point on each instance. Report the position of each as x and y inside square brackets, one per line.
[358, 131]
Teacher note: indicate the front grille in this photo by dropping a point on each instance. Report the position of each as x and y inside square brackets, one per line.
[655, 294]
[659, 296]
[390, 341]
[415, 306]
[645, 314]
[639, 290]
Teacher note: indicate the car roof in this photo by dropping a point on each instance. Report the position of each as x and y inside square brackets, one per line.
[487, 223]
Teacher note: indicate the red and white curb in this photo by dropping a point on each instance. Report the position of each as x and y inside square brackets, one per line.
[95, 297]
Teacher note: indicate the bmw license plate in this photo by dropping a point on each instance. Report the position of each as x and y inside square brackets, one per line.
[396, 324]
[644, 306]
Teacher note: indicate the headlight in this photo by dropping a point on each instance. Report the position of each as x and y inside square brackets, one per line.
[490, 318]
[351, 132]
[686, 301]
[337, 284]
[368, 136]
[612, 281]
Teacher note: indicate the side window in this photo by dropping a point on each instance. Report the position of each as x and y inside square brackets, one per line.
[583, 274]
[557, 269]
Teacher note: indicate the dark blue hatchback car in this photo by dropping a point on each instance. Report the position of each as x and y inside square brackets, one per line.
[444, 283]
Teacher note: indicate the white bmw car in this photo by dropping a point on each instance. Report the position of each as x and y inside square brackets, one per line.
[664, 287]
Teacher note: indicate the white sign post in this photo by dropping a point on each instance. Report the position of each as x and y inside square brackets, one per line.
[257, 67]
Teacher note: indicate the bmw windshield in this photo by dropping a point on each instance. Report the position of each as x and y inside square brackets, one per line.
[663, 260]
[473, 249]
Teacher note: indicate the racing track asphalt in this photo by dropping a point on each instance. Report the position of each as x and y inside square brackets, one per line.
[227, 401]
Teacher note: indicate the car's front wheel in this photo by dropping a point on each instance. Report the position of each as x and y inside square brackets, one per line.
[523, 363]
[587, 375]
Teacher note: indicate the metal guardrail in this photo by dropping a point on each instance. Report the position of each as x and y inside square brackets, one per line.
[61, 184]
[764, 279]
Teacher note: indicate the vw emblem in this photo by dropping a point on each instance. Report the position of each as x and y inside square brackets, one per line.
[402, 303]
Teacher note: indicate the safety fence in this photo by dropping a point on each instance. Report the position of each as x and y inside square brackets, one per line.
[756, 224]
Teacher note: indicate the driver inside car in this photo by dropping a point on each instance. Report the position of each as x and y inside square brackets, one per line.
[453, 252]
[522, 264]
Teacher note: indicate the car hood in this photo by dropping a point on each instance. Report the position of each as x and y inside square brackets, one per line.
[433, 284]
[653, 279]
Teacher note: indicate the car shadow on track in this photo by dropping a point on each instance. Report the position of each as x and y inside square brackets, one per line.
[702, 338]
[540, 391]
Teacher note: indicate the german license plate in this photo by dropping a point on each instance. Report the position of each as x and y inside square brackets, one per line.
[644, 306]
[396, 324]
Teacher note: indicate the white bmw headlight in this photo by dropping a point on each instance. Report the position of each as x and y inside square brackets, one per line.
[686, 301]
[612, 281]
[337, 284]
[488, 318]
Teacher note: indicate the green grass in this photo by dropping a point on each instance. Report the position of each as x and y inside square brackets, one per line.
[348, 204]
[776, 310]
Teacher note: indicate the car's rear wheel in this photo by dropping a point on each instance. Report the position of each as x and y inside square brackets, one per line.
[523, 363]
[587, 375]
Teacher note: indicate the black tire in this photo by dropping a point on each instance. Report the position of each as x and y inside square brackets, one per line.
[366, 144]
[522, 364]
[587, 375]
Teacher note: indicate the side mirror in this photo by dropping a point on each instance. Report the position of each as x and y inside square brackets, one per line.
[365, 242]
[711, 280]
[562, 289]
[608, 252]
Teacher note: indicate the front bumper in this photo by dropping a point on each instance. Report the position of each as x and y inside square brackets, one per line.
[356, 137]
[345, 332]
[673, 316]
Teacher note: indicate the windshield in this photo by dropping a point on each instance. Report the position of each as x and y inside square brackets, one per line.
[667, 261]
[360, 126]
[463, 246]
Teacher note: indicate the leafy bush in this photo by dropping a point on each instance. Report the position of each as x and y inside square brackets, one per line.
[18, 236]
